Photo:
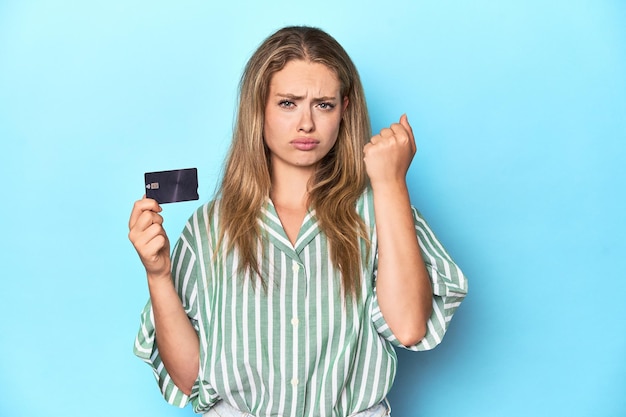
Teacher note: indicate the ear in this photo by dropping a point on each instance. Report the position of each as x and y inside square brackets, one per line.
[345, 104]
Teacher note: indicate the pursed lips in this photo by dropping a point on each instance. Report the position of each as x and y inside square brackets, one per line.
[304, 144]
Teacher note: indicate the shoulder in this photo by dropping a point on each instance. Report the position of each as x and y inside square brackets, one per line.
[365, 199]
[204, 218]
[365, 206]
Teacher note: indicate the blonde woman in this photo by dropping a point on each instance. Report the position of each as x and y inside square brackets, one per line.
[286, 294]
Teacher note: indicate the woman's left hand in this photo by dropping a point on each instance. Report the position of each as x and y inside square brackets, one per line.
[388, 155]
[402, 283]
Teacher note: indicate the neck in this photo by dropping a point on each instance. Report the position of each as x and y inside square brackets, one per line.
[290, 189]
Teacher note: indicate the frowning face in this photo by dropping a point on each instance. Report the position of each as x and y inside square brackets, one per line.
[302, 115]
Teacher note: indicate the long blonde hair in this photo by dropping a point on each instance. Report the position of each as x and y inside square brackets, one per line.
[340, 177]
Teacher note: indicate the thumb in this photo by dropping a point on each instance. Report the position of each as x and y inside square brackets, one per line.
[404, 121]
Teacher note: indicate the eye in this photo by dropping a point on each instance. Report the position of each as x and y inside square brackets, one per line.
[286, 104]
[326, 106]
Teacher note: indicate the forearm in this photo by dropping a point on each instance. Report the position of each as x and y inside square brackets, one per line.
[175, 336]
[403, 286]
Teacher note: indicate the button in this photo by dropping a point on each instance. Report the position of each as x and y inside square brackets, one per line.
[295, 321]
[295, 268]
[294, 382]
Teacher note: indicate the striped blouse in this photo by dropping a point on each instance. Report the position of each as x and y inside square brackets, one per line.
[296, 348]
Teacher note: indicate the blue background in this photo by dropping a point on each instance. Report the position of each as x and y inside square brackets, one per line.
[519, 110]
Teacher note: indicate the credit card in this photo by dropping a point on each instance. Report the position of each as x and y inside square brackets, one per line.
[172, 186]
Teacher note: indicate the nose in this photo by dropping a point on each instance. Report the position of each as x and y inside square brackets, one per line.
[306, 123]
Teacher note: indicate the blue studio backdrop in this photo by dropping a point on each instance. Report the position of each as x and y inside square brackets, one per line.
[519, 110]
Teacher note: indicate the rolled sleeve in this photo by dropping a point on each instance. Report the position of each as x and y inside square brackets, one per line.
[145, 348]
[449, 286]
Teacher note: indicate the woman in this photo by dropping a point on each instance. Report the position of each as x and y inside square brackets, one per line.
[286, 294]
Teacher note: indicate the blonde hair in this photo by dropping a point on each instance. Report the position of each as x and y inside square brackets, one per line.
[340, 177]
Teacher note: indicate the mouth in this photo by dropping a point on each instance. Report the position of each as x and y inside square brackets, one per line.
[304, 144]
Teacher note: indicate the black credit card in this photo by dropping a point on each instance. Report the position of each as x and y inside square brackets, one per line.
[172, 186]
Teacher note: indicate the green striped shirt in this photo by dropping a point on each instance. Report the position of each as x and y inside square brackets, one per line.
[298, 348]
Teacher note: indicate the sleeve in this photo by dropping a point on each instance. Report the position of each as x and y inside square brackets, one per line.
[184, 272]
[449, 286]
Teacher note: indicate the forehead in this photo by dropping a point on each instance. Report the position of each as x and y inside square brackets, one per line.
[302, 77]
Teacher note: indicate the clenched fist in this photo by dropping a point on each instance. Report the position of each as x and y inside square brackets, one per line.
[388, 155]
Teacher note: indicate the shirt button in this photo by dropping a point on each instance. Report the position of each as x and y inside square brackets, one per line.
[295, 268]
[295, 321]
[294, 382]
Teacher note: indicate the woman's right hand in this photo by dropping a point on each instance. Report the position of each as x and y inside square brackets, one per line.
[149, 238]
[175, 336]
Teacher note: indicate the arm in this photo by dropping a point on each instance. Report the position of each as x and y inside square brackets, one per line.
[402, 285]
[176, 338]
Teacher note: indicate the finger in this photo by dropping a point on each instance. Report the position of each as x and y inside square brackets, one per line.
[140, 206]
[145, 241]
[155, 245]
[147, 219]
[402, 127]
[404, 135]
[386, 132]
[150, 238]
[148, 225]
[375, 139]
[404, 121]
[366, 149]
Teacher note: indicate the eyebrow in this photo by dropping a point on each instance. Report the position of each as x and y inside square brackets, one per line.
[296, 98]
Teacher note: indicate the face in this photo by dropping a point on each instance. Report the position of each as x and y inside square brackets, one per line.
[302, 115]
